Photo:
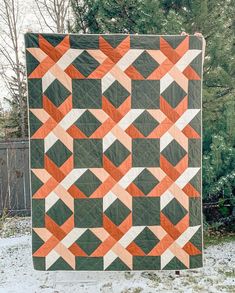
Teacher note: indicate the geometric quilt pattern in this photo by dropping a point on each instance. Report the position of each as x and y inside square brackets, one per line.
[115, 151]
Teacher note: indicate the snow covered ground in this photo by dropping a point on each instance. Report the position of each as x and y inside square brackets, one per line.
[17, 274]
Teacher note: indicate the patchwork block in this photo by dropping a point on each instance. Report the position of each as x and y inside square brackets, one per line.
[87, 153]
[88, 213]
[87, 93]
[145, 94]
[115, 151]
[146, 152]
[146, 211]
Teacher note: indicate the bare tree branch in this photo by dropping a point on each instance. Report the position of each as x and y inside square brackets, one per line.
[13, 73]
[53, 14]
[38, 3]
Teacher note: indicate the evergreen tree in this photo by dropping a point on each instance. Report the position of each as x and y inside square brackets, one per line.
[13, 117]
[214, 19]
[127, 16]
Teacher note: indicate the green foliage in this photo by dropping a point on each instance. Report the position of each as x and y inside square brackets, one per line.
[127, 16]
[18, 110]
[11, 121]
[214, 19]
[219, 173]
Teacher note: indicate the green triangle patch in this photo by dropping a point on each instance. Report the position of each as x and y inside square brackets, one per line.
[175, 263]
[114, 40]
[117, 265]
[61, 265]
[174, 41]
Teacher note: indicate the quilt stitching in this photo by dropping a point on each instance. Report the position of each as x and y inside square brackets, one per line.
[123, 112]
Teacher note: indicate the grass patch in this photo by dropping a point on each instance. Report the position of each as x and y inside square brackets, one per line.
[217, 238]
[228, 288]
[3, 218]
[14, 226]
[133, 290]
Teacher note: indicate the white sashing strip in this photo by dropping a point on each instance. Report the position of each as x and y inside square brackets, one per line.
[71, 117]
[108, 139]
[187, 175]
[47, 79]
[128, 58]
[130, 176]
[165, 82]
[187, 59]
[49, 140]
[165, 199]
[72, 177]
[187, 235]
[51, 258]
[165, 140]
[185, 119]
[109, 258]
[106, 81]
[129, 118]
[73, 235]
[166, 257]
[50, 200]
[108, 199]
[68, 58]
[130, 235]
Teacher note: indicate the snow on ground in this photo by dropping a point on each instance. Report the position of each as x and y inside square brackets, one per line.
[17, 274]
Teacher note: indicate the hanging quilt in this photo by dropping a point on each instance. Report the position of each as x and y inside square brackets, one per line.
[115, 148]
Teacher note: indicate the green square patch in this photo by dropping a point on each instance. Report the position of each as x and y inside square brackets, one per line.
[194, 211]
[146, 240]
[87, 93]
[39, 263]
[57, 93]
[196, 261]
[194, 152]
[35, 93]
[38, 207]
[145, 94]
[84, 263]
[145, 42]
[146, 263]
[37, 153]
[59, 212]
[83, 41]
[145, 152]
[88, 153]
[146, 211]
[88, 212]
[194, 94]
[88, 183]
[85, 63]
[58, 153]
[88, 242]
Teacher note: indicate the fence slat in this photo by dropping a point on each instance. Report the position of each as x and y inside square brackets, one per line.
[14, 177]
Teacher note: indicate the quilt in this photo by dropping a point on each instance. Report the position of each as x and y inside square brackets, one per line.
[115, 151]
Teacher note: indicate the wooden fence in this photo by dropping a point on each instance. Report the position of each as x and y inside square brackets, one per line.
[14, 177]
